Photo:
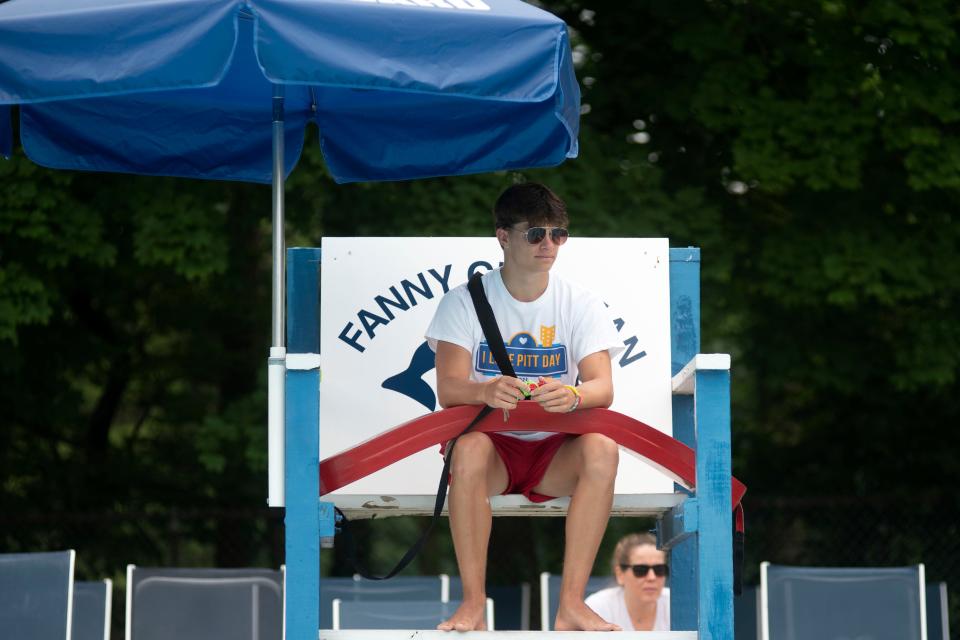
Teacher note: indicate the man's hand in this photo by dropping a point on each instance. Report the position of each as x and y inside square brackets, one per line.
[553, 396]
[503, 392]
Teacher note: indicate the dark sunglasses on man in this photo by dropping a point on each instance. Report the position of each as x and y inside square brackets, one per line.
[535, 235]
[640, 570]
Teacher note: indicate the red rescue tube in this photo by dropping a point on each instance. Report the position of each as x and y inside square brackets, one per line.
[670, 456]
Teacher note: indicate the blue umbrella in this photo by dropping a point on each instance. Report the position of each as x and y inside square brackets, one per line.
[222, 89]
[399, 90]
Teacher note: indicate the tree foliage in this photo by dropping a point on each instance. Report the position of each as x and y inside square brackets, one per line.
[811, 149]
[822, 136]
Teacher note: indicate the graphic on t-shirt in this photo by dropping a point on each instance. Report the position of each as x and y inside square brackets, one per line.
[529, 359]
[547, 335]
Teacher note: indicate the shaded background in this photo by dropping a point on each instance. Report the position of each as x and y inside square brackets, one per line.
[810, 148]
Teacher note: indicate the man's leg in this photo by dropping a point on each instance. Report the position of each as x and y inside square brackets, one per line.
[585, 469]
[477, 472]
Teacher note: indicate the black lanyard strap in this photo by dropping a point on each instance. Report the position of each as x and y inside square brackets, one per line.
[495, 341]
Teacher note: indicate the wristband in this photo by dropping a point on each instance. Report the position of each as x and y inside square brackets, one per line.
[576, 397]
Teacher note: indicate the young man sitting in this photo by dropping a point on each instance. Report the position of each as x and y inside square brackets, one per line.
[575, 340]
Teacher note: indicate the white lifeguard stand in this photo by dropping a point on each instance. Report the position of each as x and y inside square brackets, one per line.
[695, 521]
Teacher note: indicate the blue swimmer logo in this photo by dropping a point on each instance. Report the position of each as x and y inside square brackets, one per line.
[410, 383]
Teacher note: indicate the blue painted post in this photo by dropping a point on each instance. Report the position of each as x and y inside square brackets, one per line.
[302, 482]
[715, 540]
[685, 343]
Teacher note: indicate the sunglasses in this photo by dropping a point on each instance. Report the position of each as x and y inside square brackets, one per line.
[640, 570]
[535, 235]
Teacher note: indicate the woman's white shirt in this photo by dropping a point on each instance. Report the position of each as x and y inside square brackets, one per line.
[611, 605]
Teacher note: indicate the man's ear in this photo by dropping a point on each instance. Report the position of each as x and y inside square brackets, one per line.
[502, 237]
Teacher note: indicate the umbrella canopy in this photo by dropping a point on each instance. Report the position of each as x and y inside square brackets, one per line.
[399, 89]
[223, 89]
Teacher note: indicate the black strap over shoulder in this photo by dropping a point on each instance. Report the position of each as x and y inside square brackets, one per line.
[489, 325]
[492, 333]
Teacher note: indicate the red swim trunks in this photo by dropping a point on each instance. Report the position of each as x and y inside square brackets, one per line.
[526, 461]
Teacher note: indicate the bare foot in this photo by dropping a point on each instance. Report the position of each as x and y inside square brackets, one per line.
[579, 617]
[468, 617]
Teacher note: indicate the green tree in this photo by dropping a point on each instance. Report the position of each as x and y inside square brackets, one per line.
[811, 149]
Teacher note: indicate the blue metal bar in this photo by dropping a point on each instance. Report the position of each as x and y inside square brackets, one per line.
[278, 219]
[302, 448]
[276, 377]
[684, 307]
[685, 343]
[715, 540]
[678, 524]
[303, 302]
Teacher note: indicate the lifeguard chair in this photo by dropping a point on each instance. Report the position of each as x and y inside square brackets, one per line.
[375, 372]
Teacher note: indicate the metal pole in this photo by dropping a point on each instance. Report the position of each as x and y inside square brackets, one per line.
[279, 339]
[276, 364]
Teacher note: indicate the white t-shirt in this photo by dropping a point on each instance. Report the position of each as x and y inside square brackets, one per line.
[611, 605]
[546, 337]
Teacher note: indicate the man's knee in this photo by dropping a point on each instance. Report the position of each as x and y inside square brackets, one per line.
[472, 455]
[600, 455]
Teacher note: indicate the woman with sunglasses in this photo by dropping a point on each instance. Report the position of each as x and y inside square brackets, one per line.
[561, 339]
[640, 602]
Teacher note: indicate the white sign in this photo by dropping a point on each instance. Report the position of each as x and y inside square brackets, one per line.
[378, 296]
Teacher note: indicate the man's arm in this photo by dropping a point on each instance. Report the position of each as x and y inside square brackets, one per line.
[596, 386]
[455, 387]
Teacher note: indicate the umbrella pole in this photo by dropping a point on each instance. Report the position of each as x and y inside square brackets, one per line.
[276, 363]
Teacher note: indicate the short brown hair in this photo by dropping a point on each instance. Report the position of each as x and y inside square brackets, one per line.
[530, 202]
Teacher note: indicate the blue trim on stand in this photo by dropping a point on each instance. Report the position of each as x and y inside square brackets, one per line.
[684, 344]
[715, 553]
[678, 524]
[303, 300]
[684, 307]
[327, 522]
[302, 449]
